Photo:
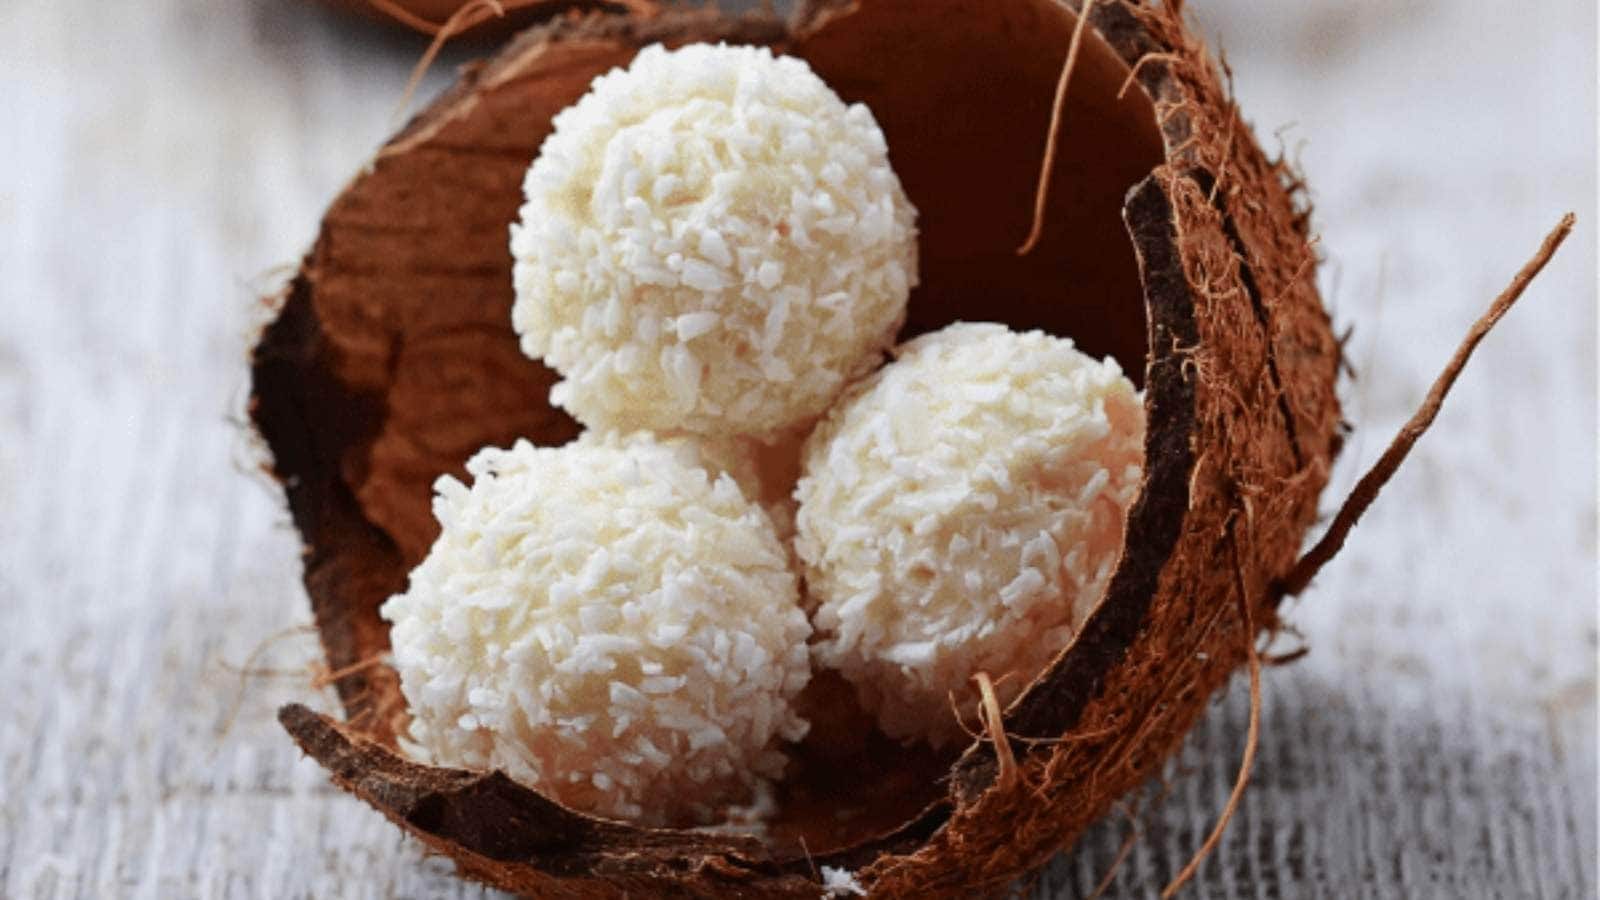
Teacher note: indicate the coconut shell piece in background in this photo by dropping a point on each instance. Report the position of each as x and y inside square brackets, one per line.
[502, 17]
[1171, 242]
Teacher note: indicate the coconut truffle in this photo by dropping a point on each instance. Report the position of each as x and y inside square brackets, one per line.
[962, 511]
[712, 241]
[608, 623]
[766, 473]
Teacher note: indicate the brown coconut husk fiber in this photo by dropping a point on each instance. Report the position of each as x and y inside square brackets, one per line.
[1167, 239]
[482, 18]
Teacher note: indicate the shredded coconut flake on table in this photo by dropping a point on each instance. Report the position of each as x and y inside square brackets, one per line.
[841, 883]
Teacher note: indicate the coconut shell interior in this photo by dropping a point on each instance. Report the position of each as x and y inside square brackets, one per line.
[1170, 243]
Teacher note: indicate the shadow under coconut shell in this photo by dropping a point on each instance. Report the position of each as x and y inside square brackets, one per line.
[393, 359]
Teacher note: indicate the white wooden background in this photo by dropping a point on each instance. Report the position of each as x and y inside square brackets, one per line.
[161, 161]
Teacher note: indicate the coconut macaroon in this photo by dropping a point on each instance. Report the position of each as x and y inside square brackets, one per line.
[961, 511]
[765, 472]
[712, 241]
[608, 623]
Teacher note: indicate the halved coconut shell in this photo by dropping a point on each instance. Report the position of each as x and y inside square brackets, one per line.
[1170, 242]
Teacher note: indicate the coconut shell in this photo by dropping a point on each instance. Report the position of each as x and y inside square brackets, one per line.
[1170, 242]
[430, 16]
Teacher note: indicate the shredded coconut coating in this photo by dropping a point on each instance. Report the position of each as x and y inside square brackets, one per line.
[962, 511]
[712, 241]
[766, 473]
[609, 623]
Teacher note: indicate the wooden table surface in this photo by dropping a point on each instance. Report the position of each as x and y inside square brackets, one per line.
[163, 161]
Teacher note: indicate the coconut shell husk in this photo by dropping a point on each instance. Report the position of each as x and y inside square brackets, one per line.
[487, 20]
[1170, 242]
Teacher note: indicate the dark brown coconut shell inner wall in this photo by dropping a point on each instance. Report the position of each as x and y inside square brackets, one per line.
[393, 358]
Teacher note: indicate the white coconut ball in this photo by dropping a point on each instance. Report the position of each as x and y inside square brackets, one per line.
[608, 623]
[712, 241]
[962, 511]
[766, 473]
